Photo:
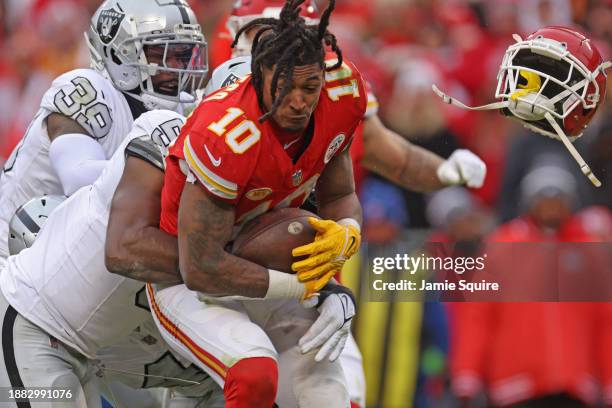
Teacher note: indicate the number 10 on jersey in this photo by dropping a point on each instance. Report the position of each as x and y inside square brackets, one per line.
[239, 136]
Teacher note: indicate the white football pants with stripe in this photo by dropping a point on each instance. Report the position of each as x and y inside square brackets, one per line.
[215, 335]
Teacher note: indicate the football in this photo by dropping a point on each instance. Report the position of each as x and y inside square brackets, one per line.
[268, 239]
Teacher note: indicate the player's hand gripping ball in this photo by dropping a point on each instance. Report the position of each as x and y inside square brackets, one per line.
[334, 244]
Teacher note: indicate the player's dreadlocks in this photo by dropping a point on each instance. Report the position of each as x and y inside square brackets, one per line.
[288, 42]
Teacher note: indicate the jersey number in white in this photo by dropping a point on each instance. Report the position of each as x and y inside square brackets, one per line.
[95, 118]
[167, 132]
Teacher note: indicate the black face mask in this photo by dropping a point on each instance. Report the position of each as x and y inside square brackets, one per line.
[469, 247]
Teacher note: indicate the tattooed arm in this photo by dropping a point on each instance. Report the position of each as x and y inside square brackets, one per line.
[204, 228]
[135, 246]
[396, 159]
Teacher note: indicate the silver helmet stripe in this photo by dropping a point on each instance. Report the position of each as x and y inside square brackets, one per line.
[29, 223]
[182, 10]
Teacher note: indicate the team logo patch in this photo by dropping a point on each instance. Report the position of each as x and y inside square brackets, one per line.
[108, 24]
[230, 80]
[258, 193]
[333, 147]
[296, 178]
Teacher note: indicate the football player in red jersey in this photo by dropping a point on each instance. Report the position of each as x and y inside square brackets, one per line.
[376, 147]
[263, 143]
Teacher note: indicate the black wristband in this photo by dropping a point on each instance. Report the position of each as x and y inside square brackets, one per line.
[334, 288]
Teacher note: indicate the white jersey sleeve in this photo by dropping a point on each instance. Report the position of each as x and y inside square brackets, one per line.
[61, 282]
[153, 132]
[88, 98]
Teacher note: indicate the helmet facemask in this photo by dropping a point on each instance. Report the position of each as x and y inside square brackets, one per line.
[132, 61]
[169, 66]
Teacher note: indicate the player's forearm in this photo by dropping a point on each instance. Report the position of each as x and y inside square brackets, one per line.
[148, 255]
[215, 272]
[419, 172]
[346, 206]
[396, 159]
[205, 226]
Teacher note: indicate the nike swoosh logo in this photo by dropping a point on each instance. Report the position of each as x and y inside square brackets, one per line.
[235, 64]
[215, 162]
[287, 145]
[350, 246]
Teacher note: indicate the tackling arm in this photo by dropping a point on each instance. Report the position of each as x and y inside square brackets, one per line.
[135, 246]
[396, 159]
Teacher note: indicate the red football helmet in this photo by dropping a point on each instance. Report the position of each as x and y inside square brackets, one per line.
[555, 70]
[245, 11]
[553, 82]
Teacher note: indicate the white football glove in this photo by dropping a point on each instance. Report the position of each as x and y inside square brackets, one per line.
[333, 326]
[463, 167]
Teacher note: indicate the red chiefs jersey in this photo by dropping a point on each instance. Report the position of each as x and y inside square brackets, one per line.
[240, 161]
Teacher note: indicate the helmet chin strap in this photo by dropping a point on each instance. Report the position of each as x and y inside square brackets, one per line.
[586, 170]
[452, 101]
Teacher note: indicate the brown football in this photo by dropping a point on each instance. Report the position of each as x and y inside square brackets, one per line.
[268, 239]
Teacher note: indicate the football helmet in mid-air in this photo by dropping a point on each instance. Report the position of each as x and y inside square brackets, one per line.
[553, 82]
[154, 49]
[245, 11]
[28, 221]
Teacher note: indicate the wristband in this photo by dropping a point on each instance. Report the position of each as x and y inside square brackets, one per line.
[283, 285]
[345, 222]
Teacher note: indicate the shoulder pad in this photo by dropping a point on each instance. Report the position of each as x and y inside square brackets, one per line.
[145, 149]
[155, 131]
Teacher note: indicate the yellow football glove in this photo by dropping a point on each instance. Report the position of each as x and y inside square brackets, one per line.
[314, 286]
[334, 243]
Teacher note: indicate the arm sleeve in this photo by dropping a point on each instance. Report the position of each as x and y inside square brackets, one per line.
[77, 159]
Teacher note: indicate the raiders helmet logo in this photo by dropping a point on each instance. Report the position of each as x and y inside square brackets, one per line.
[230, 80]
[108, 24]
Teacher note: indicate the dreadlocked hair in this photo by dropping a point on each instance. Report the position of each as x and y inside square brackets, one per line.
[288, 42]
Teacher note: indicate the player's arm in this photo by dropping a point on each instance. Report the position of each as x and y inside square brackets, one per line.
[413, 167]
[335, 190]
[76, 157]
[135, 246]
[339, 232]
[205, 226]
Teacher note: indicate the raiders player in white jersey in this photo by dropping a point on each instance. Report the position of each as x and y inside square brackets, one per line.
[144, 55]
[61, 307]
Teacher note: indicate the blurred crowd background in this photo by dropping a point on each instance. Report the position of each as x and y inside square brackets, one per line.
[430, 354]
